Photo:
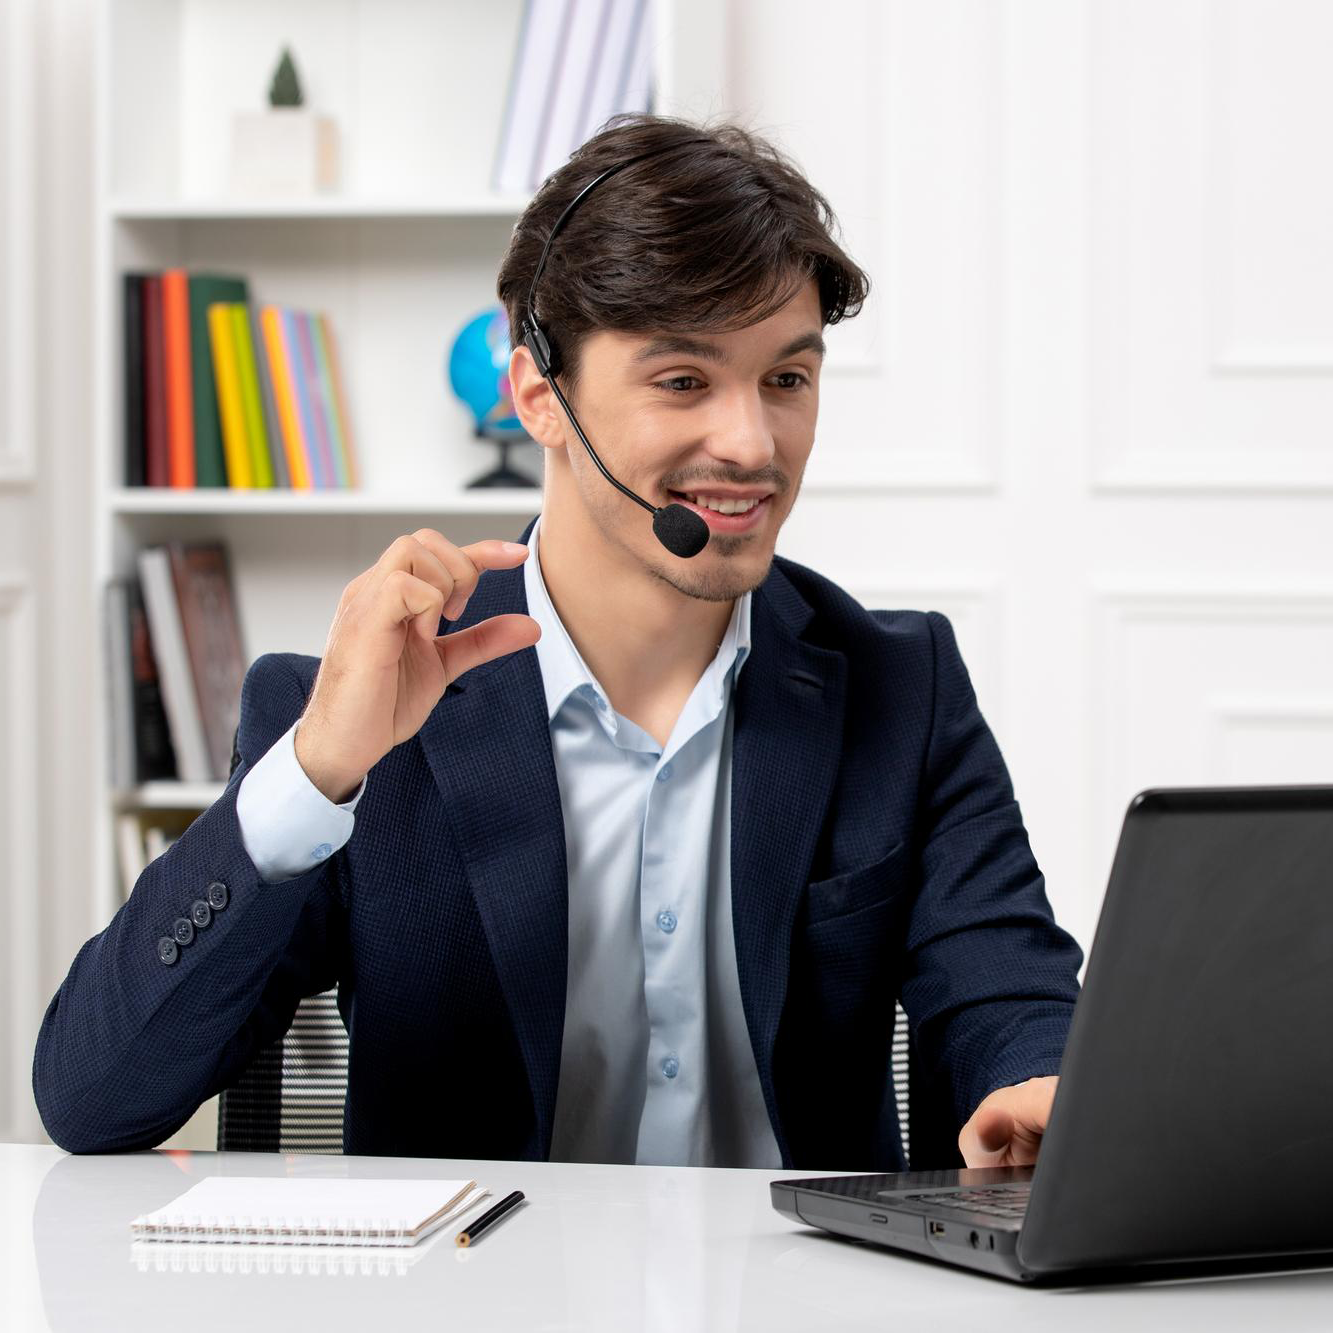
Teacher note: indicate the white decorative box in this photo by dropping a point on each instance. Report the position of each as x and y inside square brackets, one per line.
[284, 150]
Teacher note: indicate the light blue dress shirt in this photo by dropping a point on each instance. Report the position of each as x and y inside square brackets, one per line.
[656, 1062]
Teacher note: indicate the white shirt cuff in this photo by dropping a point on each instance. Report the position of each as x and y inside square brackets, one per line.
[288, 826]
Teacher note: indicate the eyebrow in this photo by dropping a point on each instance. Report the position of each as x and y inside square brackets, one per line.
[672, 344]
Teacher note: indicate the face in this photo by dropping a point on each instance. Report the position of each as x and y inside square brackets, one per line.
[718, 422]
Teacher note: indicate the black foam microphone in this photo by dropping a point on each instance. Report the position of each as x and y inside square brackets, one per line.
[677, 527]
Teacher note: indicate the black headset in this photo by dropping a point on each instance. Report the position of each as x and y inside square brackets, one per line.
[679, 529]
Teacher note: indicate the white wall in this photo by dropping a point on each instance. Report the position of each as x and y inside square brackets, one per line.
[48, 623]
[1088, 411]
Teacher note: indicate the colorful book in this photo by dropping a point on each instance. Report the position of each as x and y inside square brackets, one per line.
[249, 380]
[236, 444]
[314, 389]
[301, 389]
[156, 446]
[180, 398]
[301, 397]
[208, 289]
[268, 404]
[284, 393]
[331, 381]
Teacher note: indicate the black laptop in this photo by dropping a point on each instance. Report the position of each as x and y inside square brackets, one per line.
[1192, 1129]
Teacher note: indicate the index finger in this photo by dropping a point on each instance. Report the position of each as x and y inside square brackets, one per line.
[490, 553]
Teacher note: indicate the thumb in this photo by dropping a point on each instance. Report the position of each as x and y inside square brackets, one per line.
[995, 1130]
[986, 1138]
[467, 648]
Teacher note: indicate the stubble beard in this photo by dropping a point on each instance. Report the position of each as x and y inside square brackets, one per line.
[720, 584]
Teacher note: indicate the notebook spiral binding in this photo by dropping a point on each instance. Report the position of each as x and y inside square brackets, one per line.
[158, 1256]
[272, 1229]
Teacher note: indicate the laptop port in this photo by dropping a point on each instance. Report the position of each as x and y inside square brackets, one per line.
[974, 1240]
[936, 1228]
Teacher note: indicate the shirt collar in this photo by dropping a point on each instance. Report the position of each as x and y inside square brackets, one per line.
[564, 672]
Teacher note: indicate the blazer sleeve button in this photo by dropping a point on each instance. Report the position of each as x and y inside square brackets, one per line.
[200, 913]
[166, 950]
[182, 930]
[217, 895]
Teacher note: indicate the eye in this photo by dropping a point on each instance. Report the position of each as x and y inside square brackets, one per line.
[664, 385]
[801, 380]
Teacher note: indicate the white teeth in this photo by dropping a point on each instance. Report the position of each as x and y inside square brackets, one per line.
[724, 506]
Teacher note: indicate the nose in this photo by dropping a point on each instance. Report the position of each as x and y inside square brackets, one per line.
[739, 432]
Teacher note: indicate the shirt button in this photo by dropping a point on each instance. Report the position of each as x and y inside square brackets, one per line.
[664, 773]
[217, 895]
[666, 921]
[182, 930]
[321, 851]
[671, 1066]
[200, 913]
[167, 950]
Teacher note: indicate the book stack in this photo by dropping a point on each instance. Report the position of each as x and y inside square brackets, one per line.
[177, 665]
[223, 392]
[578, 63]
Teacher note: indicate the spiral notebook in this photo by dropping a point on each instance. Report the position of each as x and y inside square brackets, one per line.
[279, 1210]
[268, 1260]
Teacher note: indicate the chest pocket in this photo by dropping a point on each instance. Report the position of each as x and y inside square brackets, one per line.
[857, 890]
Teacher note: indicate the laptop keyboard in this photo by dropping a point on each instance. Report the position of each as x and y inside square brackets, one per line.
[1002, 1201]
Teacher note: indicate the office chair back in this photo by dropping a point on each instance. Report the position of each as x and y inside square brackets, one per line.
[290, 1097]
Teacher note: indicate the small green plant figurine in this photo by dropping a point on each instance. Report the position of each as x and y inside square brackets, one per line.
[285, 90]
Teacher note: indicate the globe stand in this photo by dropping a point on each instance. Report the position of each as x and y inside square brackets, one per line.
[502, 475]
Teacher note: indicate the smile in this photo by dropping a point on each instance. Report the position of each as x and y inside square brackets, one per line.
[725, 513]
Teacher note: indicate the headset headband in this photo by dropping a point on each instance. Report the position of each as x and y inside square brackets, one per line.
[544, 352]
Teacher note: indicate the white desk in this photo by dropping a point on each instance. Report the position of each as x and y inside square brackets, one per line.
[596, 1247]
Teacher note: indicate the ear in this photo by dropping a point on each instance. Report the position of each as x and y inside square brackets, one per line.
[534, 402]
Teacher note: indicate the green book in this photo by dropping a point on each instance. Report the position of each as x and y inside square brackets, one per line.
[209, 461]
[260, 464]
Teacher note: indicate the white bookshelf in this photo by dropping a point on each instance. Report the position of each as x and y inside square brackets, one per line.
[399, 256]
[462, 205]
[211, 500]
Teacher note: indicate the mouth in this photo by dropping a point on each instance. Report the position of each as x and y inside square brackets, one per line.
[725, 513]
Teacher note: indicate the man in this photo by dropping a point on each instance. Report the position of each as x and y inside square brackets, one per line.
[631, 862]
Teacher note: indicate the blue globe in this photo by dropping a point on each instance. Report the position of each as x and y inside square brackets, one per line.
[479, 374]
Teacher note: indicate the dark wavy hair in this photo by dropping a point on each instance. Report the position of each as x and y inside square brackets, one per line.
[712, 237]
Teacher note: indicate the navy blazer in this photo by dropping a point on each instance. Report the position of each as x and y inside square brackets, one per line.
[877, 852]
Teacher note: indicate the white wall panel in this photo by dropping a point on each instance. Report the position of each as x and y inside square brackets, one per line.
[19, 1005]
[1209, 686]
[17, 287]
[20, 573]
[1211, 323]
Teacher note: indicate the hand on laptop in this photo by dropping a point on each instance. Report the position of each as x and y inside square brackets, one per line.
[1006, 1128]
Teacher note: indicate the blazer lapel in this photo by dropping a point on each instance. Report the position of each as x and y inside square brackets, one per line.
[488, 743]
[787, 742]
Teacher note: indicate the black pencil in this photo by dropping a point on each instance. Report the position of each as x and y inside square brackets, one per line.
[489, 1217]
